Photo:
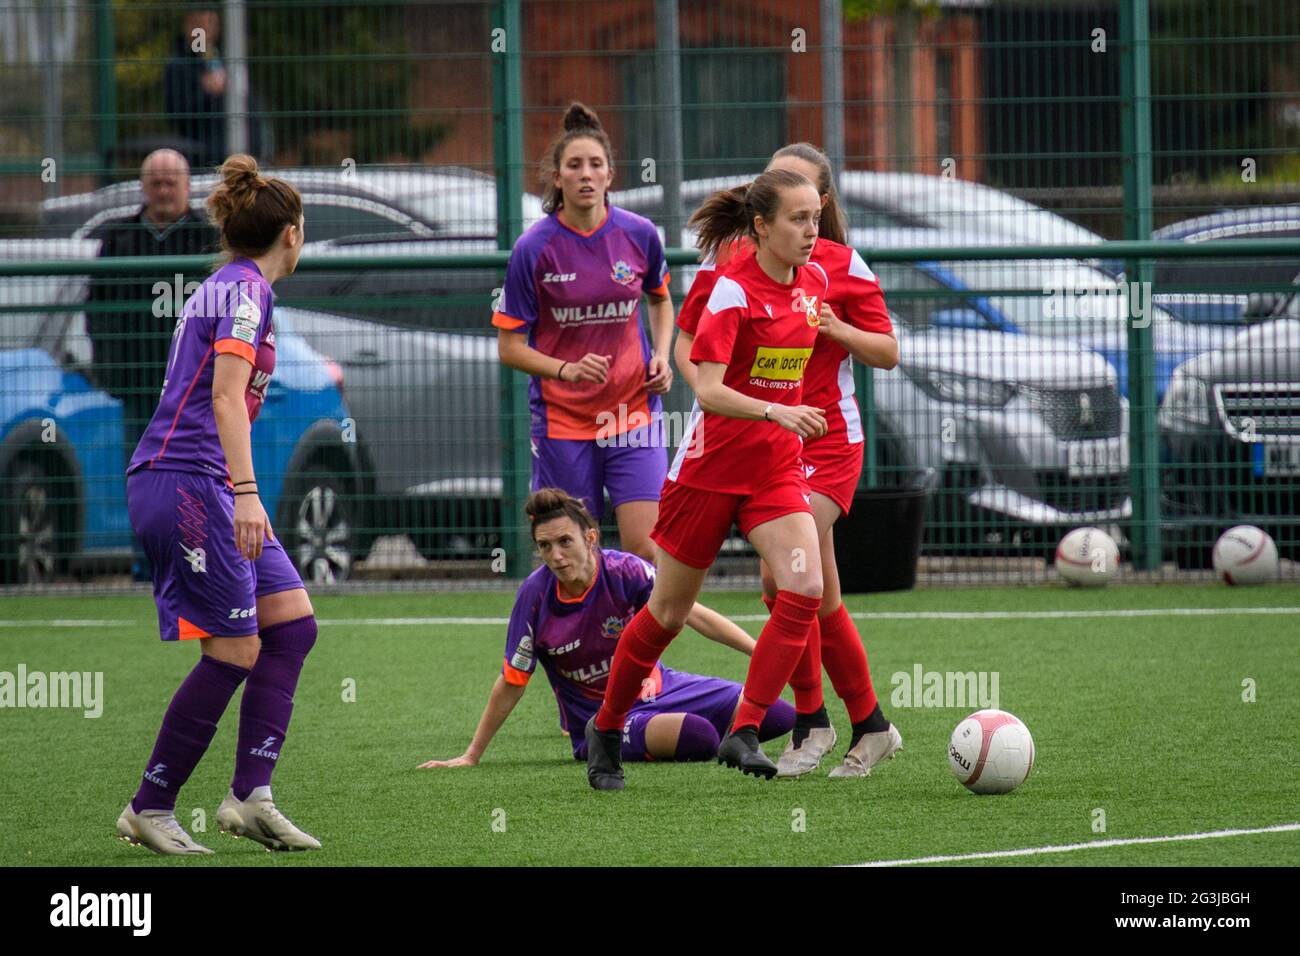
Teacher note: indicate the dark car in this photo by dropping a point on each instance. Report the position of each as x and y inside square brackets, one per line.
[1241, 288]
[336, 203]
[1230, 441]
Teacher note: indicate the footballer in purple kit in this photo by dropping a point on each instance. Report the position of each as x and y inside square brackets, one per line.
[568, 616]
[219, 575]
[570, 316]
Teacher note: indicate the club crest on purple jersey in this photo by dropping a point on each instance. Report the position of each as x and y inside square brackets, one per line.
[622, 273]
[612, 627]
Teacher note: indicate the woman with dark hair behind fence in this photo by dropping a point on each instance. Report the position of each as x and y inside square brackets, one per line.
[569, 316]
[854, 324]
[569, 615]
[219, 575]
[756, 335]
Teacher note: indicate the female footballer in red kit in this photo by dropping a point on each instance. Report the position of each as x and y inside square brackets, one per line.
[854, 325]
[738, 463]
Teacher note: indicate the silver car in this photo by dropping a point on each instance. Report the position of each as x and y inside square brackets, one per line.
[1029, 438]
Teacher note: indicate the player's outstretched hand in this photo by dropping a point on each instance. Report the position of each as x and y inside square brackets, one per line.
[252, 526]
[804, 420]
[660, 376]
[464, 760]
[590, 368]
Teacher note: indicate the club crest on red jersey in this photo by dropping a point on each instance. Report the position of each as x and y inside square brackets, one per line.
[807, 304]
[622, 273]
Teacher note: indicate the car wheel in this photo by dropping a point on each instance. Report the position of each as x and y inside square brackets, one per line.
[33, 526]
[317, 525]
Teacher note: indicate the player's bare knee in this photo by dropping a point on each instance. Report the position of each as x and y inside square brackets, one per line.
[671, 617]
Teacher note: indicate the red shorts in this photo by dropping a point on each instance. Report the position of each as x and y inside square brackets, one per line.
[833, 468]
[694, 523]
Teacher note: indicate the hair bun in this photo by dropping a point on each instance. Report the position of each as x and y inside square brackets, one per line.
[579, 116]
[240, 171]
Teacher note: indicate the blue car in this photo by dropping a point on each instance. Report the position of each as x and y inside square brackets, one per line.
[1239, 289]
[62, 460]
[1071, 301]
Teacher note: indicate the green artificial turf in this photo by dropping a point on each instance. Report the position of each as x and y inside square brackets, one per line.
[1140, 717]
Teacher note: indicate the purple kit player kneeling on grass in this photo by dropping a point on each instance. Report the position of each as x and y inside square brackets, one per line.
[219, 575]
[569, 614]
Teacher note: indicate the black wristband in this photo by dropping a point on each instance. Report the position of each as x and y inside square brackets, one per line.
[253, 482]
[238, 493]
[560, 373]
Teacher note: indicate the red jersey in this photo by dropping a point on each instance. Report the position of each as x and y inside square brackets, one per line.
[856, 298]
[764, 332]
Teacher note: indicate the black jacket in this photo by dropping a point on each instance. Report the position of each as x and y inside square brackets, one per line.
[196, 116]
[130, 343]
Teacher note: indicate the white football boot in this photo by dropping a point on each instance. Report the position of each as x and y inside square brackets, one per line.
[158, 830]
[868, 752]
[804, 759]
[258, 819]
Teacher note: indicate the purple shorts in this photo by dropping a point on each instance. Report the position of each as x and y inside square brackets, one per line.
[712, 698]
[632, 466]
[201, 583]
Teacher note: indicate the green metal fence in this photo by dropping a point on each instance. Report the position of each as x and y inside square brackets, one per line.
[1025, 178]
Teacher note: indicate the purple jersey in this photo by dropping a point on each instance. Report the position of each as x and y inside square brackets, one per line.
[574, 638]
[574, 293]
[229, 313]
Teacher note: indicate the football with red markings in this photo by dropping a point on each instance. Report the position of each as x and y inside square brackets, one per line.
[991, 751]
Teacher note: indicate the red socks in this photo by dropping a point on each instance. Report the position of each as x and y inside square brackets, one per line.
[846, 663]
[639, 648]
[780, 647]
[806, 681]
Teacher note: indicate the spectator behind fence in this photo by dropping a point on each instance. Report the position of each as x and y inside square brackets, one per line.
[194, 82]
[130, 342]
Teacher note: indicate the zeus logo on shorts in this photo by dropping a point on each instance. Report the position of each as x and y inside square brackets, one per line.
[197, 558]
[241, 612]
[192, 524]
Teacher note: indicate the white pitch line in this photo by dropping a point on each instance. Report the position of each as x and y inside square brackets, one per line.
[751, 618]
[68, 622]
[876, 616]
[1070, 847]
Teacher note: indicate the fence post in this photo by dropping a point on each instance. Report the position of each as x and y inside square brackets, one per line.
[508, 139]
[105, 89]
[1135, 112]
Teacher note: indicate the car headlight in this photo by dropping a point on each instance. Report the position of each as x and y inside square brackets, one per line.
[963, 389]
[1186, 400]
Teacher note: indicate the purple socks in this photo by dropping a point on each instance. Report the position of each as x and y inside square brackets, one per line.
[187, 729]
[777, 722]
[268, 702]
[697, 740]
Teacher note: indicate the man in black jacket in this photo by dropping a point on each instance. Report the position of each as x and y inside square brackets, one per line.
[194, 89]
[128, 320]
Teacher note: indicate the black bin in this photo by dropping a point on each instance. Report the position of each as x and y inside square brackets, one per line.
[877, 543]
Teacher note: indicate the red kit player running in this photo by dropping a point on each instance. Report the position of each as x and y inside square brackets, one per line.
[854, 322]
[738, 464]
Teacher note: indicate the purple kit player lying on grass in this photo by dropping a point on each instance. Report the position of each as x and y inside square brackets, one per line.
[219, 575]
[569, 614]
